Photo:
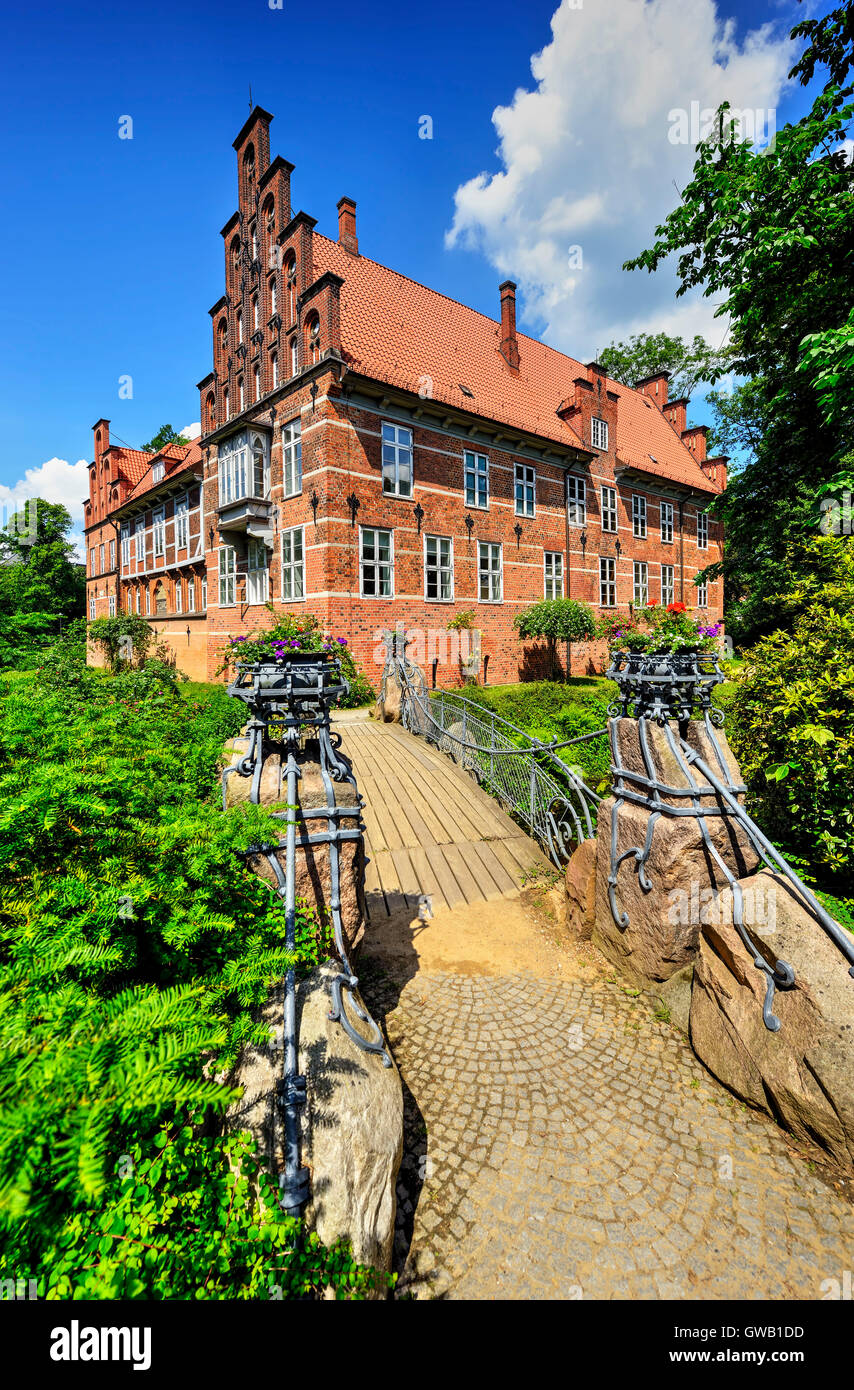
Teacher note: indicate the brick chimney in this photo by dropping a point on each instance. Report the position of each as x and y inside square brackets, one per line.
[676, 413]
[655, 387]
[509, 345]
[716, 469]
[695, 439]
[347, 226]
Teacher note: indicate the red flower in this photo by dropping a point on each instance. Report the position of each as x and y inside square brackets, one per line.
[652, 603]
[676, 607]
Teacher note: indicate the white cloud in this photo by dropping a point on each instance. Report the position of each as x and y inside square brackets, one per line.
[54, 481]
[589, 168]
[191, 431]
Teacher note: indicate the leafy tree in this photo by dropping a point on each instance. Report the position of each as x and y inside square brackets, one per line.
[644, 354]
[770, 236]
[165, 435]
[556, 620]
[38, 571]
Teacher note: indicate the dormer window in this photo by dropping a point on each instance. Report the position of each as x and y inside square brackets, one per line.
[157, 471]
[599, 433]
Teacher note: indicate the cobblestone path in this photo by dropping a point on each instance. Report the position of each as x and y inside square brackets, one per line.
[562, 1143]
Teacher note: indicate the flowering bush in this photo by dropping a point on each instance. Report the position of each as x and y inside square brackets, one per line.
[298, 633]
[660, 630]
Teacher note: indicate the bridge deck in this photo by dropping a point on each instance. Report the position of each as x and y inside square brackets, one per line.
[431, 830]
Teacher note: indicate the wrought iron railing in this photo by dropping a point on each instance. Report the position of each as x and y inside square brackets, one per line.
[551, 799]
[541, 790]
[285, 701]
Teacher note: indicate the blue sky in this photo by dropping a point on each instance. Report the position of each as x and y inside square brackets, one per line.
[112, 246]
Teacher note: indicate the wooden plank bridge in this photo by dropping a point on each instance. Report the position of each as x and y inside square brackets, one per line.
[431, 830]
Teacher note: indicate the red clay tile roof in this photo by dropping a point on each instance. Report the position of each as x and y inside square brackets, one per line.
[176, 457]
[396, 330]
[132, 462]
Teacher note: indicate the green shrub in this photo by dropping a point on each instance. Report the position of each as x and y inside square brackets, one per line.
[135, 948]
[791, 721]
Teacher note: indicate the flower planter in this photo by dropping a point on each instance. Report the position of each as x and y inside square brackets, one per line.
[665, 685]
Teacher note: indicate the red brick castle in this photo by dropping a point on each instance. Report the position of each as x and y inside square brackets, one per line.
[375, 453]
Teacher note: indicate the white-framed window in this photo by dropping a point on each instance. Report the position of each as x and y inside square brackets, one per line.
[147, 601]
[525, 489]
[553, 574]
[292, 457]
[376, 553]
[702, 531]
[92, 610]
[157, 471]
[111, 605]
[191, 595]
[274, 368]
[225, 404]
[639, 516]
[256, 378]
[227, 576]
[158, 528]
[182, 515]
[294, 357]
[240, 396]
[139, 541]
[204, 595]
[641, 583]
[125, 550]
[93, 561]
[607, 582]
[397, 460]
[668, 585]
[257, 573]
[667, 522]
[179, 596]
[599, 433]
[103, 551]
[609, 508]
[576, 495]
[137, 598]
[293, 563]
[255, 314]
[112, 555]
[702, 595]
[274, 299]
[490, 576]
[476, 474]
[240, 326]
[439, 568]
[244, 467]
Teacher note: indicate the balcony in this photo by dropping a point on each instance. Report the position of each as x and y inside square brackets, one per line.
[243, 465]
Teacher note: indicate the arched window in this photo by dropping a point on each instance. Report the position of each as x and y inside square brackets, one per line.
[97, 443]
[274, 298]
[270, 217]
[210, 410]
[274, 368]
[222, 340]
[312, 331]
[294, 356]
[291, 277]
[248, 168]
[235, 254]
